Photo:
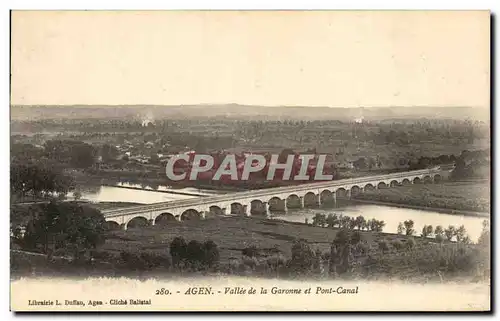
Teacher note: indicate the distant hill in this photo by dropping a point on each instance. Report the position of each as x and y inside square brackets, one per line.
[235, 111]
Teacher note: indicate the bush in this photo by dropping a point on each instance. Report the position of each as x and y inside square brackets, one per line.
[250, 251]
[397, 244]
[178, 250]
[409, 227]
[319, 220]
[343, 237]
[410, 244]
[154, 260]
[133, 261]
[195, 254]
[383, 245]
[355, 237]
[449, 232]
[211, 254]
[302, 257]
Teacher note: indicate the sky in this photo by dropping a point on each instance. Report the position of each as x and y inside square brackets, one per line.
[301, 58]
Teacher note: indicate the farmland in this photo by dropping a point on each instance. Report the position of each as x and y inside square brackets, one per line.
[425, 260]
[471, 195]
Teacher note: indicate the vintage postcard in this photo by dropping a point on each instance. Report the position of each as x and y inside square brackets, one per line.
[250, 161]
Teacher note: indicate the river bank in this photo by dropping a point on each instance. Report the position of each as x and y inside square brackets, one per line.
[423, 208]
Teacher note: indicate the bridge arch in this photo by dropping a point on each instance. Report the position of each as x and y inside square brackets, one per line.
[237, 208]
[355, 190]
[164, 219]
[190, 215]
[369, 187]
[341, 192]
[327, 197]
[137, 222]
[381, 185]
[437, 178]
[394, 183]
[112, 225]
[293, 201]
[257, 207]
[427, 179]
[406, 181]
[417, 180]
[277, 204]
[310, 199]
[215, 210]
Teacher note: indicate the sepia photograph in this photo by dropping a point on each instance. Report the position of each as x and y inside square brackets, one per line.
[250, 161]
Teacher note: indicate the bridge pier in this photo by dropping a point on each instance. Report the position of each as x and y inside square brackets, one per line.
[282, 198]
[267, 212]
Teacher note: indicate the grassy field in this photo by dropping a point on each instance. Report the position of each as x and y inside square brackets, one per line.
[459, 195]
[424, 261]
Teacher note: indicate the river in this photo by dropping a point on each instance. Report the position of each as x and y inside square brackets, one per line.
[391, 215]
[103, 193]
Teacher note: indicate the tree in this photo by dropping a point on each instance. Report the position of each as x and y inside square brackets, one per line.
[195, 254]
[109, 153]
[68, 226]
[484, 238]
[409, 227]
[359, 222]
[360, 164]
[343, 237]
[401, 228]
[378, 226]
[332, 220]
[83, 155]
[319, 220]
[302, 257]
[449, 232]
[439, 231]
[334, 261]
[38, 180]
[410, 243]
[77, 195]
[383, 246]
[211, 254]
[424, 231]
[397, 244]
[460, 233]
[429, 230]
[178, 250]
[250, 251]
[355, 237]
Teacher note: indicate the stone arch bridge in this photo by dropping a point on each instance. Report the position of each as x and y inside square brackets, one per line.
[261, 202]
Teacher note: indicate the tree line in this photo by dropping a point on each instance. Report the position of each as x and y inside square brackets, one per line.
[343, 221]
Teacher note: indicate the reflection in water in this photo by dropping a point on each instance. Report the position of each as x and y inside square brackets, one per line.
[170, 188]
[392, 216]
[118, 194]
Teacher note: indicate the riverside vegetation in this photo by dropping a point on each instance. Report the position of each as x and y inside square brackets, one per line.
[73, 239]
